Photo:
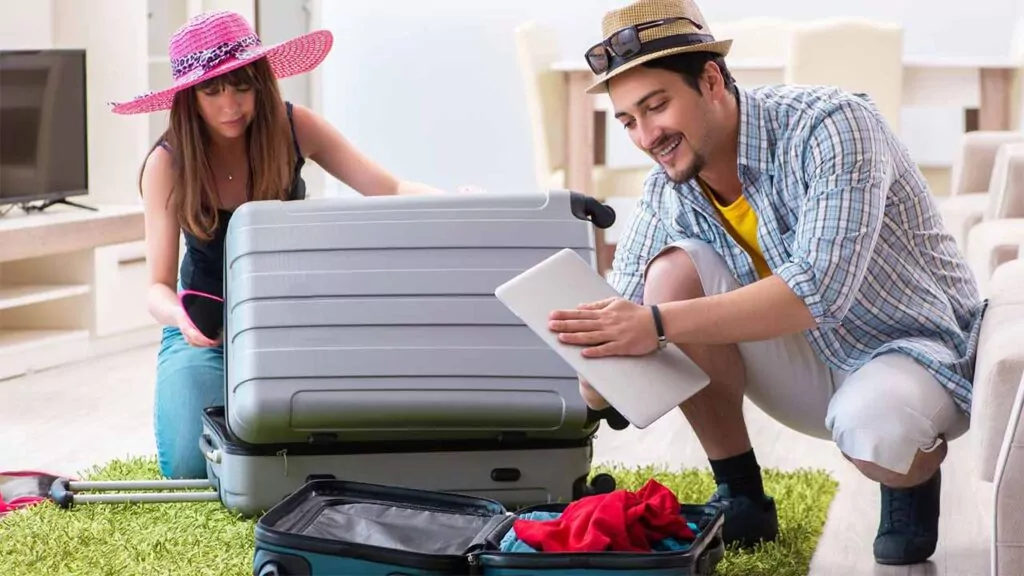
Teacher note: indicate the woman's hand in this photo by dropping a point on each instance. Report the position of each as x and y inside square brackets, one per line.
[610, 327]
[192, 334]
[407, 188]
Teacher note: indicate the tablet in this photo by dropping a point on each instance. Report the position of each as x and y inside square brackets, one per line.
[641, 388]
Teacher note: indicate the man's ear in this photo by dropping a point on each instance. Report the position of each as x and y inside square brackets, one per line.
[711, 80]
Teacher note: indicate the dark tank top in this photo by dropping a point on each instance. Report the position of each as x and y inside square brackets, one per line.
[202, 267]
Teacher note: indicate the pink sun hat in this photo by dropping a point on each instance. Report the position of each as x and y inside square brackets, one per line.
[217, 42]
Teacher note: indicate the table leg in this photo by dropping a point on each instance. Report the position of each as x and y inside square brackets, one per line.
[579, 141]
[995, 87]
[579, 152]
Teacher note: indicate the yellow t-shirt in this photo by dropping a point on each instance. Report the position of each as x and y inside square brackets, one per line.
[741, 222]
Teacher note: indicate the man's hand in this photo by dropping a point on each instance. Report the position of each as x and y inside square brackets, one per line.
[592, 397]
[610, 327]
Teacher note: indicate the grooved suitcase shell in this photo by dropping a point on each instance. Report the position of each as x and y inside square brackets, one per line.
[375, 319]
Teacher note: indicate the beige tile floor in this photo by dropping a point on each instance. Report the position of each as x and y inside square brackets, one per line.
[67, 419]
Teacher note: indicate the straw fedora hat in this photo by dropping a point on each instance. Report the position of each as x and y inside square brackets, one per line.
[646, 30]
[219, 41]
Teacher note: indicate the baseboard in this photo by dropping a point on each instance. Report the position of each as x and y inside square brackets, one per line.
[62, 348]
[128, 340]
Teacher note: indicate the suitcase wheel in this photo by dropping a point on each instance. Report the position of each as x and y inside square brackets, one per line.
[602, 484]
[270, 569]
[274, 564]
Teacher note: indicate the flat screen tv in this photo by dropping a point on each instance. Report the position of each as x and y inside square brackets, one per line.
[43, 128]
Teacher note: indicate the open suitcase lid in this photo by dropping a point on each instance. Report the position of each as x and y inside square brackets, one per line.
[448, 533]
[422, 529]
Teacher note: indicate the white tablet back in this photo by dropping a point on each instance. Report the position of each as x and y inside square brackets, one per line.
[641, 388]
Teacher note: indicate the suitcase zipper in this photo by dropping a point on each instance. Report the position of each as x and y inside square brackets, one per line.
[284, 454]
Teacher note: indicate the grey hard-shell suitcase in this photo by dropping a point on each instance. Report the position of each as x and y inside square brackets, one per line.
[363, 341]
[370, 319]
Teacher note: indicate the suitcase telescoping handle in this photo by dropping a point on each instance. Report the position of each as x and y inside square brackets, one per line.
[64, 492]
[586, 208]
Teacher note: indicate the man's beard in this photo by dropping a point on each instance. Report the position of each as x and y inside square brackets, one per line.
[687, 173]
[694, 167]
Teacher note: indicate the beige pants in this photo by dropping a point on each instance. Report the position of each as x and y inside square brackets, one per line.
[883, 413]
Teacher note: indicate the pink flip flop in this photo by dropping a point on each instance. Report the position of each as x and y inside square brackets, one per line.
[23, 488]
[205, 312]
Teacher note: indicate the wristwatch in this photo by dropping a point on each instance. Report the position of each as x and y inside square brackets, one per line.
[662, 341]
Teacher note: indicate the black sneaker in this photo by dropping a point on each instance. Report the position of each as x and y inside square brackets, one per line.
[747, 521]
[908, 530]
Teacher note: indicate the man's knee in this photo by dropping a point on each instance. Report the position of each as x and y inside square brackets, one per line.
[875, 429]
[671, 276]
[889, 413]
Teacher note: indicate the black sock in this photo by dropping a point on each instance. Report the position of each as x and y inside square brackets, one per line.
[740, 473]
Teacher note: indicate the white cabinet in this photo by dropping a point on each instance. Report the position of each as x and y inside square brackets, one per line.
[122, 282]
[44, 311]
[72, 284]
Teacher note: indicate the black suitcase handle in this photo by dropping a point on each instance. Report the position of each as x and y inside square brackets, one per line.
[586, 208]
[615, 420]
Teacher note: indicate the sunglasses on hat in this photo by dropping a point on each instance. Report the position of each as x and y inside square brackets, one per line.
[625, 43]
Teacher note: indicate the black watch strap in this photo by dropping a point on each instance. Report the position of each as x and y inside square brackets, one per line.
[662, 341]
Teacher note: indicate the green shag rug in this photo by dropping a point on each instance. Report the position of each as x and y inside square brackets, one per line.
[203, 538]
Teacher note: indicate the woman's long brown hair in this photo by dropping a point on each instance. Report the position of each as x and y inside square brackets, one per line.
[271, 150]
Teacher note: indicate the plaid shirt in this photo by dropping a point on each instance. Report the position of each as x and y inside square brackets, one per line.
[845, 219]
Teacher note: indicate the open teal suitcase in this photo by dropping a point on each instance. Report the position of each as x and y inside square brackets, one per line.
[333, 527]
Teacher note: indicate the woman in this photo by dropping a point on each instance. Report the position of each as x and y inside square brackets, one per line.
[231, 139]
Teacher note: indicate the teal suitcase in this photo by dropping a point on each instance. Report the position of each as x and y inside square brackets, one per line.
[332, 527]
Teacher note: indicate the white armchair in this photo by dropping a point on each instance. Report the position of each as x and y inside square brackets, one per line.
[996, 239]
[978, 169]
[756, 38]
[854, 54]
[972, 168]
[547, 104]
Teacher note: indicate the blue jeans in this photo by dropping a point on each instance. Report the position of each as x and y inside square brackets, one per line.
[188, 379]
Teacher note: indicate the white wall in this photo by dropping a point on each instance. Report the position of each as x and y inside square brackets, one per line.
[280, 20]
[431, 89]
[26, 28]
[113, 34]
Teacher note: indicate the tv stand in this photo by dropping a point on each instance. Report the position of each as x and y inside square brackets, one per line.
[72, 286]
[48, 203]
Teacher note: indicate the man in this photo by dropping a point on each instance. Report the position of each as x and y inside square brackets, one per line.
[787, 242]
